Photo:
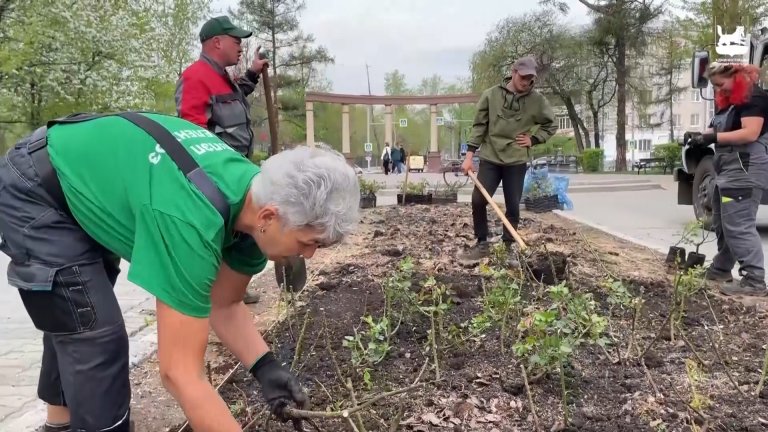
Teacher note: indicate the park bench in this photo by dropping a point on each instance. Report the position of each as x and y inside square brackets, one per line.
[645, 163]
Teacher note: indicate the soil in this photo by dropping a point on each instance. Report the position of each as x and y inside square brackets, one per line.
[482, 389]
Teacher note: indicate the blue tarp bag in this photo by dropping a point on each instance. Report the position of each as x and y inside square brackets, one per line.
[557, 184]
[561, 183]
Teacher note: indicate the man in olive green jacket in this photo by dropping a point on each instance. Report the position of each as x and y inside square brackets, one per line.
[511, 117]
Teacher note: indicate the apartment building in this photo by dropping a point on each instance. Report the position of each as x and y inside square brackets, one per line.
[648, 125]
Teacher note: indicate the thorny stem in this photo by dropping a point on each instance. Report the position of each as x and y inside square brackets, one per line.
[300, 342]
[650, 378]
[565, 394]
[552, 267]
[396, 421]
[308, 421]
[658, 334]
[597, 257]
[354, 403]
[434, 346]
[340, 375]
[255, 418]
[303, 414]
[503, 330]
[712, 311]
[530, 399]
[690, 346]
[762, 375]
[720, 358]
[632, 338]
[687, 405]
[352, 424]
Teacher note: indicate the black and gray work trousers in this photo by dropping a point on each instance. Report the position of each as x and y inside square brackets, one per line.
[65, 280]
[741, 176]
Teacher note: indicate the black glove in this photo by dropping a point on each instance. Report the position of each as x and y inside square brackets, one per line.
[279, 387]
[703, 140]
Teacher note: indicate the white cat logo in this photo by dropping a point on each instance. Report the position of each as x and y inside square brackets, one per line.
[733, 44]
[155, 156]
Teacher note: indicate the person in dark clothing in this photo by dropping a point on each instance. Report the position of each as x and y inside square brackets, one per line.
[386, 158]
[401, 162]
[739, 132]
[396, 156]
[511, 117]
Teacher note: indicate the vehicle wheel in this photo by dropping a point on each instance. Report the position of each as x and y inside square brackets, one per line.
[450, 178]
[704, 191]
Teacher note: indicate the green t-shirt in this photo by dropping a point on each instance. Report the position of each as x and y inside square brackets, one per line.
[131, 197]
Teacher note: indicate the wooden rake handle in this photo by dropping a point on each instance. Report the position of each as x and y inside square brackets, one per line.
[495, 206]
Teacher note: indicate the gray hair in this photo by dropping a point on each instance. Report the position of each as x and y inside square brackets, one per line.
[311, 187]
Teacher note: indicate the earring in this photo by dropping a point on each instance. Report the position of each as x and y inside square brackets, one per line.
[261, 229]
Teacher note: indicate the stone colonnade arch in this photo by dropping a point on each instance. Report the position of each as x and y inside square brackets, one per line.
[433, 157]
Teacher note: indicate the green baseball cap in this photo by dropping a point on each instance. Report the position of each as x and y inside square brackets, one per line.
[221, 25]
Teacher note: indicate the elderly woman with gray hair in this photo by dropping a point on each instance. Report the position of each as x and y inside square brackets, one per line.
[196, 221]
[739, 135]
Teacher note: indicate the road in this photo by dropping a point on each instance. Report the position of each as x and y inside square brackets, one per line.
[650, 216]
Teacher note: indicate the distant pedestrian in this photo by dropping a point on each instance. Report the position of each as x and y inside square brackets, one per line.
[386, 158]
[396, 156]
[401, 162]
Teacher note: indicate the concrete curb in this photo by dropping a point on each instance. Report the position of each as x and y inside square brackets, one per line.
[612, 232]
[142, 345]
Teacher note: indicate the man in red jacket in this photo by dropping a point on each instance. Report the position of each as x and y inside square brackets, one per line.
[208, 97]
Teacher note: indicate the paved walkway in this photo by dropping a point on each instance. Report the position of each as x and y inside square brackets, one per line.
[21, 348]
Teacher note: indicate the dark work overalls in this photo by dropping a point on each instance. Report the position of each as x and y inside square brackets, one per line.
[66, 279]
[741, 175]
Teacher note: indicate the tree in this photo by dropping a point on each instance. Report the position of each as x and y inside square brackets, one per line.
[294, 58]
[599, 80]
[48, 74]
[621, 24]
[175, 21]
[672, 55]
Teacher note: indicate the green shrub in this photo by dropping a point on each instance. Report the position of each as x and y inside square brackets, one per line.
[558, 142]
[369, 187]
[592, 160]
[258, 157]
[671, 153]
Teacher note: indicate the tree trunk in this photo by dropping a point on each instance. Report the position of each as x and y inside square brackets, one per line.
[585, 130]
[621, 102]
[671, 108]
[274, 79]
[596, 125]
[574, 116]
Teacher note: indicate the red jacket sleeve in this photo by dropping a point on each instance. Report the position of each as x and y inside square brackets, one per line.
[192, 99]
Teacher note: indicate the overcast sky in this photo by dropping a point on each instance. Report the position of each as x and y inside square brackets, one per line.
[418, 37]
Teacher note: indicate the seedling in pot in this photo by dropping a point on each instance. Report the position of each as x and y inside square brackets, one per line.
[675, 255]
[368, 189]
[695, 235]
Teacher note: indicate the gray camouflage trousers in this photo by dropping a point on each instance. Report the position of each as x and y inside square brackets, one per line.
[742, 175]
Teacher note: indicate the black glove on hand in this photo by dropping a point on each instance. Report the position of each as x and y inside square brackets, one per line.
[279, 387]
[703, 140]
